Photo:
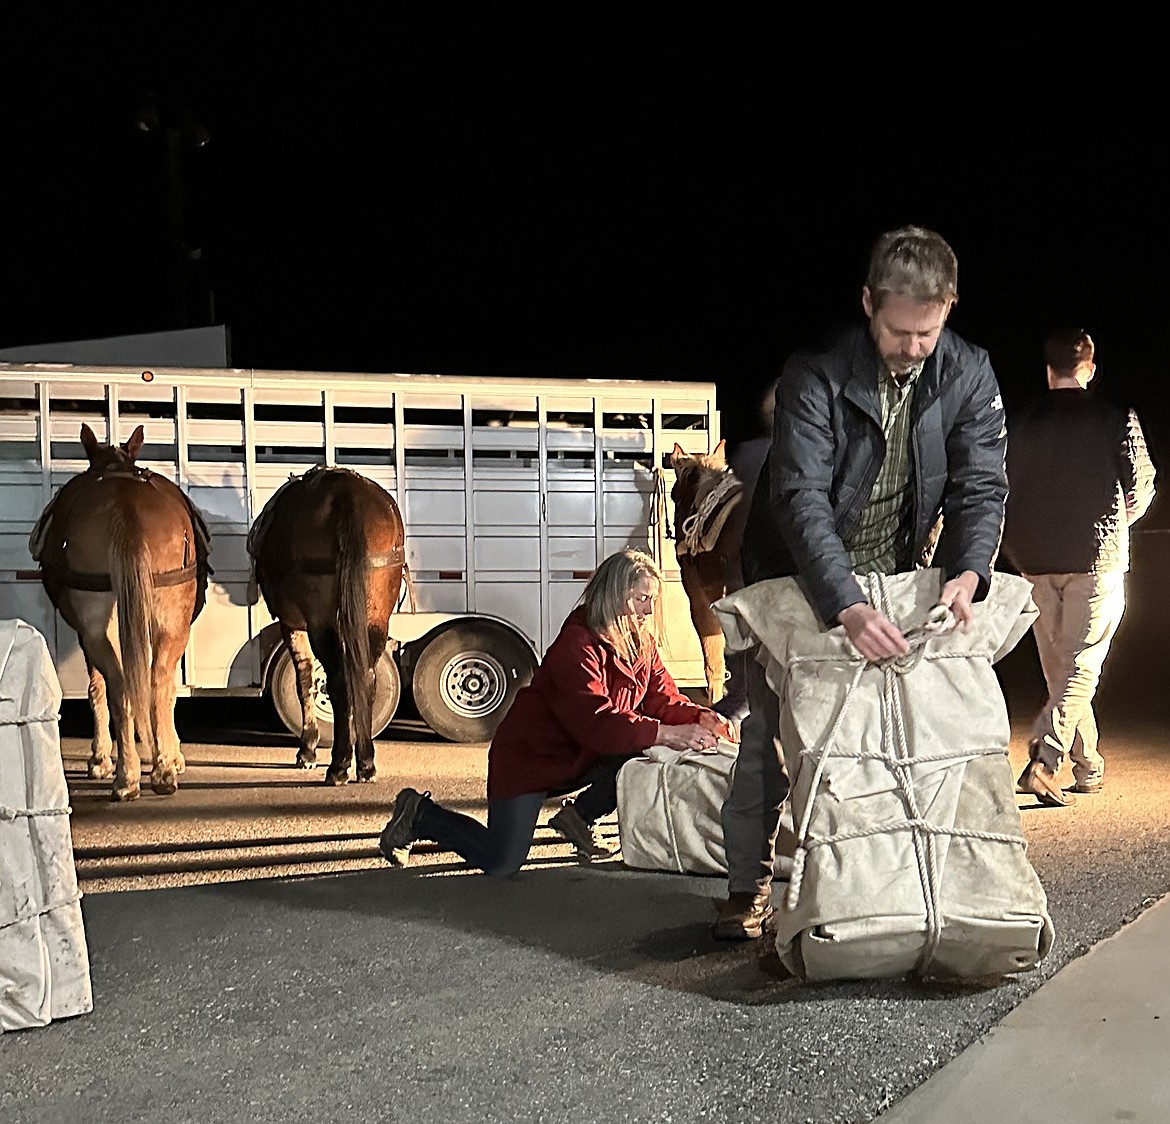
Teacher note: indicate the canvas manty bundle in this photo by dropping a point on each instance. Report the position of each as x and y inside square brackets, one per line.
[910, 855]
[669, 811]
[44, 962]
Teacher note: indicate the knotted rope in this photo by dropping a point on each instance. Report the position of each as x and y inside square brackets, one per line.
[8, 813]
[895, 751]
[692, 530]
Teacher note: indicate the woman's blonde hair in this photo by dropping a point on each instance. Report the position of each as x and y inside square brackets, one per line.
[606, 602]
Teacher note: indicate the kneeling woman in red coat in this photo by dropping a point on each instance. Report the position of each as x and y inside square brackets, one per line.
[600, 697]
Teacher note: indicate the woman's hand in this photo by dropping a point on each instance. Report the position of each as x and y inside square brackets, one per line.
[719, 726]
[690, 736]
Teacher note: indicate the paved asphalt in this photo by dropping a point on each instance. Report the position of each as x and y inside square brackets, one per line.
[566, 993]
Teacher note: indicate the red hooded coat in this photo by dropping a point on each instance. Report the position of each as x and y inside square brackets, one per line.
[584, 702]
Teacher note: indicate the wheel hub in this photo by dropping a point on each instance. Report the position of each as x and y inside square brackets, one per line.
[474, 684]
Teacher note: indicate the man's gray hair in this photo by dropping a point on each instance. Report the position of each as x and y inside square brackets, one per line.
[916, 263]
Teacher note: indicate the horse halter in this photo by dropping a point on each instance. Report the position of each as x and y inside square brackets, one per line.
[699, 530]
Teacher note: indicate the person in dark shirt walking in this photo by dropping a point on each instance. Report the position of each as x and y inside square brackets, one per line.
[1079, 477]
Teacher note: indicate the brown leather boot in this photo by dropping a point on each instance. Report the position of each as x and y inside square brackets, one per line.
[743, 917]
[1040, 781]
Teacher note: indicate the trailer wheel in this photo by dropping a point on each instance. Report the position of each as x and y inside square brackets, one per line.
[465, 679]
[282, 685]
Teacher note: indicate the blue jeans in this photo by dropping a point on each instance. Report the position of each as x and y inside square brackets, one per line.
[502, 846]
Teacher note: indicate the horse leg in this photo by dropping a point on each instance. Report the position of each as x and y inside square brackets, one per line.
[701, 595]
[327, 645]
[97, 625]
[363, 740]
[297, 642]
[101, 750]
[714, 666]
[168, 650]
[127, 775]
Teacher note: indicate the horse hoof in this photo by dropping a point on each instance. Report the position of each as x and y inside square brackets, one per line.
[367, 776]
[305, 761]
[164, 786]
[101, 770]
[336, 779]
[125, 795]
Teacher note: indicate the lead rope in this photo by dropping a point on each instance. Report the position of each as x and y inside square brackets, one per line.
[408, 591]
[662, 502]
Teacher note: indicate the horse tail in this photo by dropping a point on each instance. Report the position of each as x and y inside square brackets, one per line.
[131, 576]
[353, 614]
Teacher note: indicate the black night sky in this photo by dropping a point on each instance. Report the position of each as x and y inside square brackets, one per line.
[600, 195]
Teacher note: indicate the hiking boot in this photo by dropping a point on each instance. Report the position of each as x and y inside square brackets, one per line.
[1040, 781]
[1090, 786]
[401, 829]
[743, 917]
[570, 826]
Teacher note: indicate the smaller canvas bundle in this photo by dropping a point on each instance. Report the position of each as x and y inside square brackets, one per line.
[44, 962]
[910, 854]
[669, 806]
[668, 809]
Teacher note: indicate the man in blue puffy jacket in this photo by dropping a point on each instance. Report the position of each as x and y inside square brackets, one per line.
[887, 454]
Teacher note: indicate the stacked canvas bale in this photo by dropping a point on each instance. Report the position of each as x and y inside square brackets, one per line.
[669, 806]
[44, 962]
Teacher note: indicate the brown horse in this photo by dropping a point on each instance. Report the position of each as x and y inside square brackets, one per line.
[124, 559]
[708, 532]
[328, 550]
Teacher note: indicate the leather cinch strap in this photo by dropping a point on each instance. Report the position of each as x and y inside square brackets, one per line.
[394, 557]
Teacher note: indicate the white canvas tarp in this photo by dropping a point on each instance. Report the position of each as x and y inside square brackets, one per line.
[669, 805]
[44, 962]
[910, 854]
[668, 810]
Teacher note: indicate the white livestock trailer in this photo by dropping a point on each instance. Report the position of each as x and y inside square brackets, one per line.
[511, 489]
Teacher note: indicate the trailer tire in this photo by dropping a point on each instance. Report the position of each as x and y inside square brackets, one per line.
[465, 679]
[282, 686]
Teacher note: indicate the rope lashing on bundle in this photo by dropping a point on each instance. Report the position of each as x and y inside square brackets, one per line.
[8, 814]
[895, 750]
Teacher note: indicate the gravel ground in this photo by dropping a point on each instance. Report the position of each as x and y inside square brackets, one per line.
[564, 993]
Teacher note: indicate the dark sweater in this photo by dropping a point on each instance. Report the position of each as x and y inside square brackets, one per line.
[1078, 475]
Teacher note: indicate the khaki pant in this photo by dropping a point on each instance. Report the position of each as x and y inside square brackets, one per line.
[1079, 613]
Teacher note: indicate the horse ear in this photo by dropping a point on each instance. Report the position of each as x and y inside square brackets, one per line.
[134, 445]
[89, 441]
[677, 454]
[719, 453]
